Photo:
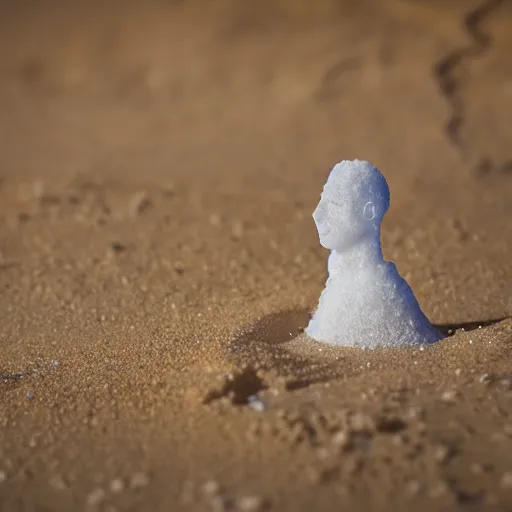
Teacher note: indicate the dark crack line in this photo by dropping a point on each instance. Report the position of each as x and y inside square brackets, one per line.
[445, 69]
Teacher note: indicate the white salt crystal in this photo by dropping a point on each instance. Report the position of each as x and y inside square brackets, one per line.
[365, 301]
[254, 402]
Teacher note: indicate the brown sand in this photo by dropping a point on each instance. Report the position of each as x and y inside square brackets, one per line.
[159, 162]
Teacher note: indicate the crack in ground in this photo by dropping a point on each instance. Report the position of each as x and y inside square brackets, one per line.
[445, 72]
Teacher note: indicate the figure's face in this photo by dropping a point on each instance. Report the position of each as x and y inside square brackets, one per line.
[353, 203]
[341, 225]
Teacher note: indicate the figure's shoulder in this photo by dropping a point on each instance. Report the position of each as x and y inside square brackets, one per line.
[392, 274]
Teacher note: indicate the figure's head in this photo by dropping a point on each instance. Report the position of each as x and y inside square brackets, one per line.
[353, 203]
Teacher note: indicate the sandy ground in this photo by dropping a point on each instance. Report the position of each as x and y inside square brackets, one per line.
[159, 163]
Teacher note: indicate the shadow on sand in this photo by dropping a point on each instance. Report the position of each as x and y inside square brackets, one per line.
[263, 345]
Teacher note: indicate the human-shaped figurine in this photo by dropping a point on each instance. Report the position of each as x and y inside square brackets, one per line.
[365, 302]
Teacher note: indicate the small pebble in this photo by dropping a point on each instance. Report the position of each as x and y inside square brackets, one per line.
[256, 403]
[118, 247]
[237, 230]
[29, 395]
[215, 220]
[360, 422]
[96, 497]
[438, 490]
[449, 396]
[211, 487]
[57, 482]
[116, 485]
[3, 476]
[416, 412]
[505, 382]
[413, 487]
[179, 267]
[169, 189]
[476, 468]
[506, 480]
[139, 203]
[187, 493]
[340, 439]
[322, 453]
[219, 504]
[139, 480]
[250, 504]
[442, 453]
[485, 378]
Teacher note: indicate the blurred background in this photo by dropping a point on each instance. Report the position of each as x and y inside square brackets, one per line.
[177, 87]
[239, 109]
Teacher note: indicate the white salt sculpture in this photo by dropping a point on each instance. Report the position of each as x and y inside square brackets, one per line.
[365, 302]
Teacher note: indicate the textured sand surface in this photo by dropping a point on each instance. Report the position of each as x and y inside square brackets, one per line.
[159, 163]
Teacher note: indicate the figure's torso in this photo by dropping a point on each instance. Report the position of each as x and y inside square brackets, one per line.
[369, 306]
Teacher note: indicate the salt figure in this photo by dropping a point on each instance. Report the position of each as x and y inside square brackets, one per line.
[365, 302]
